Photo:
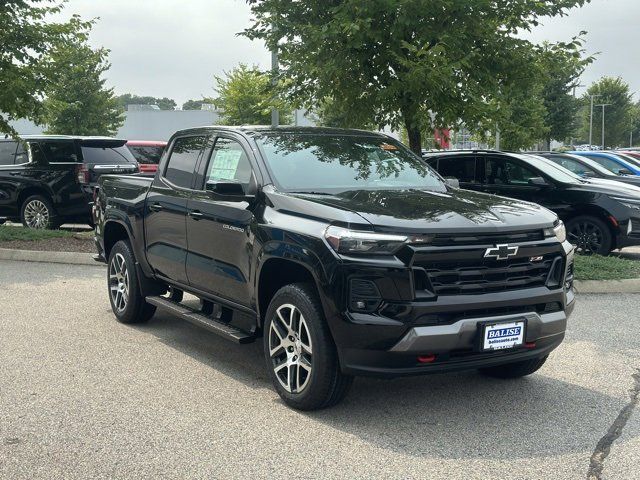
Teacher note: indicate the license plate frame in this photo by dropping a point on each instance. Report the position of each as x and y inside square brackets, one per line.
[507, 341]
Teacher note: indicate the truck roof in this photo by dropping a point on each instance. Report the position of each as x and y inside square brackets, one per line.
[263, 129]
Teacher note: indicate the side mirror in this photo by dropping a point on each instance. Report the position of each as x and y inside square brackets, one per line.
[225, 188]
[452, 182]
[624, 171]
[538, 182]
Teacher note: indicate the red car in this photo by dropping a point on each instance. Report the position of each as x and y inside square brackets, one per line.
[147, 154]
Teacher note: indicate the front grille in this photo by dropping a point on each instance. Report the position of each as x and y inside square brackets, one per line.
[473, 276]
[447, 240]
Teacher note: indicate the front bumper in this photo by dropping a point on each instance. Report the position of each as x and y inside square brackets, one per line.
[455, 346]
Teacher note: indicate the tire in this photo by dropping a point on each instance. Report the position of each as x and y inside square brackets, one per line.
[590, 235]
[312, 353]
[515, 370]
[126, 300]
[37, 212]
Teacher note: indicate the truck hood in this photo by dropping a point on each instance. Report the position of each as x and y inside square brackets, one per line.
[427, 211]
[614, 187]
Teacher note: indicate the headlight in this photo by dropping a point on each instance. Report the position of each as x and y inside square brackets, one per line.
[344, 240]
[559, 231]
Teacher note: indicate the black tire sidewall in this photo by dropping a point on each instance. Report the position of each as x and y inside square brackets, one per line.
[135, 302]
[48, 203]
[607, 236]
[324, 358]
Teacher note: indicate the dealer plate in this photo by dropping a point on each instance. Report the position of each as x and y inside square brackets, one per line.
[498, 336]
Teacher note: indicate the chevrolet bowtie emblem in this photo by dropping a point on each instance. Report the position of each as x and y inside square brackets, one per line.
[501, 252]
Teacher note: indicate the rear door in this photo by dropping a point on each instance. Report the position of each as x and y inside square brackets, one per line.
[464, 168]
[219, 227]
[8, 178]
[166, 208]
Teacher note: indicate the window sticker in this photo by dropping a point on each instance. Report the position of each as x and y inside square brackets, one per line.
[225, 164]
[388, 147]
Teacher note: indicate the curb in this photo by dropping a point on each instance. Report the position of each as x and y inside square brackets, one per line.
[69, 258]
[630, 285]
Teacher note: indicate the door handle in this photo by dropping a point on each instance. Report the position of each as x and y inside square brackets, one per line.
[196, 214]
[156, 207]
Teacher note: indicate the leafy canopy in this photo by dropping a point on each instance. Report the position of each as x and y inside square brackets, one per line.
[411, 63]
[618, 116]
[26, 36]
[246, 96]
[78, 102]
[129, 99]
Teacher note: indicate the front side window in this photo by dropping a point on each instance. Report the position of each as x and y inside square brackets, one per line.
[182, 162]
[504, 171]
[228, 162]
[7, 153]
[462, 168]
[334, 163]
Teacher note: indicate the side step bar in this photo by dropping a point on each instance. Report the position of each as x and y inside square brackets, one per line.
[190, 315]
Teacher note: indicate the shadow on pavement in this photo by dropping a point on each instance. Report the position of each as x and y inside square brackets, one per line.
[460, 415]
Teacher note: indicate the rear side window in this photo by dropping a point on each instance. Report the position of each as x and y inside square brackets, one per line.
[182, 161]
[60, 151]
[462, 168]
[21, 154]
[104, 155]
[7, 153]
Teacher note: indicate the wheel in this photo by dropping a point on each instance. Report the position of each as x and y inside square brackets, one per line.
[515, 370]
[590, 235]
[127, 303]
[300, 354]
[37, 212]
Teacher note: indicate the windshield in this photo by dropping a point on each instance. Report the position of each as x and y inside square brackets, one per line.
[301, 162]
[553, 170]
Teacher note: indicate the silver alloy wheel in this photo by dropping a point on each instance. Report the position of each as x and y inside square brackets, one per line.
[290, 348]
[119, 282]
[36, 214]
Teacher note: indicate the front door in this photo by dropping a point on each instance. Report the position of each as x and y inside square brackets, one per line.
[220, 228]
[166, 209]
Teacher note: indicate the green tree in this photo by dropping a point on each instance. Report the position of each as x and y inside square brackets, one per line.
[196, 104]
[246, 96]
[618, 114]
[634, 138]
[129, 99]
[562, 64]
[398, 61]
[330, 113]
[26, 71]
[78, 102]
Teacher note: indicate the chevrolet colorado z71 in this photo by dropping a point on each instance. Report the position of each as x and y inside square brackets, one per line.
[343, 250]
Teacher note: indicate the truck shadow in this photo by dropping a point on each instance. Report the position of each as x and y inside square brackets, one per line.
[459, 415]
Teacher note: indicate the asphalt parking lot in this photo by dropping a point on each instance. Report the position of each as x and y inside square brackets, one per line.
[82, 396]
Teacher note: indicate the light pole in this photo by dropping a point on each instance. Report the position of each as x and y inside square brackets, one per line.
[591, 121]
[275, 115]
[603, 105]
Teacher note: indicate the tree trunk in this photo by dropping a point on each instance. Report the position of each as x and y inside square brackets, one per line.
[415, 139]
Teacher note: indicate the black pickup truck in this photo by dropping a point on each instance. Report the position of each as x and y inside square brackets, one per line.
[47, 180]
[343, 250]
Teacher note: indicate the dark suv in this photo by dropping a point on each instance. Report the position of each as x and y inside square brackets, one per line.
[600, 216]
[48, 180]
[342, 250]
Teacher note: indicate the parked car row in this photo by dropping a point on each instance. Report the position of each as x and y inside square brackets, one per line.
[49, 180]
[600, 213]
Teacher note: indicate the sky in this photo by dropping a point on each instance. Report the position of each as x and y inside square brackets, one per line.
[173, 48]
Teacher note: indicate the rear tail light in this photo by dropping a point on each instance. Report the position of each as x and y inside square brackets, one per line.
[147, 167]
[82, 174]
